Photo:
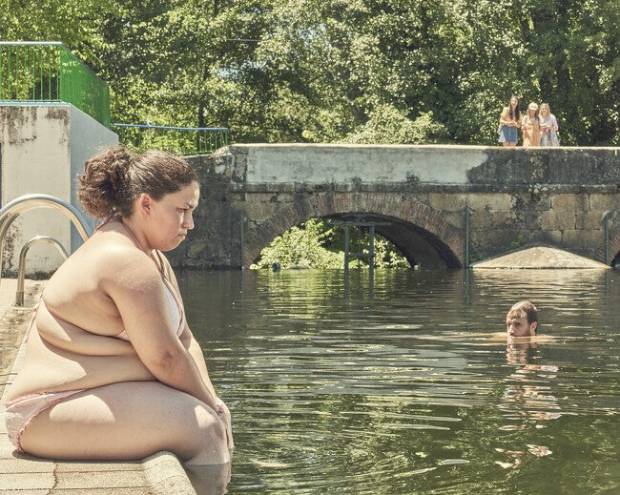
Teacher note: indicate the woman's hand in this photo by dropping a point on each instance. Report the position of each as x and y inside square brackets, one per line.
[224, 414]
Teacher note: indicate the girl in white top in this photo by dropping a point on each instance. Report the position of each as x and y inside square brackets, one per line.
[548, 127]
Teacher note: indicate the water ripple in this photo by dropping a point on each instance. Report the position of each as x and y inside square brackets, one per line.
[407, 385]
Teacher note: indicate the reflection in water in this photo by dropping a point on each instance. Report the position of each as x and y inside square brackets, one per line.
[525, 397]
[338, 388]
[209, 479]
[526, 402]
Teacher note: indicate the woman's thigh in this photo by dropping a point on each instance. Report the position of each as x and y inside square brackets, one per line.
[128, 420]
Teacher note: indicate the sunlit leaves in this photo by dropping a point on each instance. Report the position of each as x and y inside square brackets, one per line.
[326, 70]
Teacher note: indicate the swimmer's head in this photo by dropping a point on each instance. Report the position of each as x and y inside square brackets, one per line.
[522, 320]
[114, 178]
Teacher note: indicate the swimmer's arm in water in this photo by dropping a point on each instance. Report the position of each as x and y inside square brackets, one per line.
[134, 284]
[71, 338]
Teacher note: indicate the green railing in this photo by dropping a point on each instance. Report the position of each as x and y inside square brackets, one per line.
[33, 71]
[182, 140]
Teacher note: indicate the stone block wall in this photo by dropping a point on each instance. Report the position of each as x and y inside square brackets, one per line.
[516, 198]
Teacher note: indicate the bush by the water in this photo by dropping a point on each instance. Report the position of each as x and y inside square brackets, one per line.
[317, 244]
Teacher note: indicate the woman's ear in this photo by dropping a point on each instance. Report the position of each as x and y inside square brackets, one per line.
[144, 203]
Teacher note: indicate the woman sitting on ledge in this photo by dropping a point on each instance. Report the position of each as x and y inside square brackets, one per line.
[112, 370]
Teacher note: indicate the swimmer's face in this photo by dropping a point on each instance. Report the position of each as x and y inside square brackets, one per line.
[518, 326]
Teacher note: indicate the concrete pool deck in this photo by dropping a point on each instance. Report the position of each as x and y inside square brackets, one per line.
[160, 473]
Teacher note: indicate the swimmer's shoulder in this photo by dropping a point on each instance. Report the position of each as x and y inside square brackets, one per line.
[502, 337]
[497, 337]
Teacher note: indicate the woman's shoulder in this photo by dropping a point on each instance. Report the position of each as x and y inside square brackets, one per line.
[118, 260]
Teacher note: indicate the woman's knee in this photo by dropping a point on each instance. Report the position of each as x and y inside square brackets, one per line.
[208, 437]
[211, 425]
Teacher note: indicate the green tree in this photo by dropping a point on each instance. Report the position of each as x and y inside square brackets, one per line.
[343, 70]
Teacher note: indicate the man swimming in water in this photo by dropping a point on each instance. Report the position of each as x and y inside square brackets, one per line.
[522, 320]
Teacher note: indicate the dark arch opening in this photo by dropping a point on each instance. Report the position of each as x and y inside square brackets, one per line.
[418, 246]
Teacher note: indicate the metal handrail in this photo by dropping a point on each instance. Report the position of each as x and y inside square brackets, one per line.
[21, 271]
[15, 208]
[178, 139]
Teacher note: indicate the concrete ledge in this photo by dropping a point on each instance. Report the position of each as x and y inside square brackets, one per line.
[158, 474]
[165, 474]
[419, 187]
[540, 257]
[442, 164]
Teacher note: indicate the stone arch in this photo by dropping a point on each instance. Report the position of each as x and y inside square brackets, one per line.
[613, 250]
[414, 219]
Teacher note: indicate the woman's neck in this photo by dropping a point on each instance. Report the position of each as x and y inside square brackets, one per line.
[136, 235]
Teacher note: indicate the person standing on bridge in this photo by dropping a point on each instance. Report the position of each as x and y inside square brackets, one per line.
[530, 126]
[509, 122]
[548, 127]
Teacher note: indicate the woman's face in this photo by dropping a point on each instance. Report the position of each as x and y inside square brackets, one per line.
[514, 102]
[172, 217]
[544, 110]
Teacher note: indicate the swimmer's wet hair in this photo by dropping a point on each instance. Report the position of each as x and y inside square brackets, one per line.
[524, 308]
[114, 178]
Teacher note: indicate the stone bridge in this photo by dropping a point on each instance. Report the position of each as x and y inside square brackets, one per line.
[442, 206]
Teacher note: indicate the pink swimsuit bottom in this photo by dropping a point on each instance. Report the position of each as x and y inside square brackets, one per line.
[21, 411]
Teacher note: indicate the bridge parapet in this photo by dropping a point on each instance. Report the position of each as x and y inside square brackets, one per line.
[319, 164]
[517, 197]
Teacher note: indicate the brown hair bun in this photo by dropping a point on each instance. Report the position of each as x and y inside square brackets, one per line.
[115, 177]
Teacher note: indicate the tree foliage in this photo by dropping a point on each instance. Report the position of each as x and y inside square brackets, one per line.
[343, 70]
[318, 244]
[302, 247]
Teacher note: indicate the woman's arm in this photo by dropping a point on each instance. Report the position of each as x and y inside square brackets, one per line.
[524, 128]
[192, 346]
[190, 343]
[134, 284]
[69, 337]
[187, 337]
[504, 118]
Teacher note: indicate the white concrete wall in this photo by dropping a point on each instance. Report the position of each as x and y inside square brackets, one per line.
[87, 137]
[257, 164]
[41, 147]
[329, 163]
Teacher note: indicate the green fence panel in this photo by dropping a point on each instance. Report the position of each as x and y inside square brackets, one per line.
[48, 71]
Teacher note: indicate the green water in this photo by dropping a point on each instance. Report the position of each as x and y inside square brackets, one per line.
[396, 385]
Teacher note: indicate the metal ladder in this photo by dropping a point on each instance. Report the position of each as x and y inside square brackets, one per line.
[12, 210]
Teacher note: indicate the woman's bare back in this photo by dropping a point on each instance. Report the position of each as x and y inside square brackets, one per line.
[74, 301]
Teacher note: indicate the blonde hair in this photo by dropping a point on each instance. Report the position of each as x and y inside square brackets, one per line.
[543, 106]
